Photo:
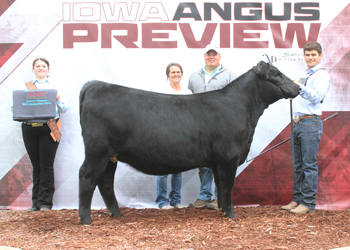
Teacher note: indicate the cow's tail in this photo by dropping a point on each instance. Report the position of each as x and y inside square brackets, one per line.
[82, 94]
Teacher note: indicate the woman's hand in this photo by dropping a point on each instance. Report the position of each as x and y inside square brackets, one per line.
[58, 97]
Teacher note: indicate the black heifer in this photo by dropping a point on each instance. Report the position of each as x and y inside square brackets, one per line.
[162, 134]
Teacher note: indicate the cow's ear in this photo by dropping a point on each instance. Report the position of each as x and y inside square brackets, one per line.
[262, 70]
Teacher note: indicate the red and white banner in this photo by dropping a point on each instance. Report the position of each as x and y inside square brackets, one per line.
[131, 43]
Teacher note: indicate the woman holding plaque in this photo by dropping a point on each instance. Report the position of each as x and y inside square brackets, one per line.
[41, 139]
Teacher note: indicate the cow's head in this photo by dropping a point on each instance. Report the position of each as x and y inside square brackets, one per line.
[270, 73]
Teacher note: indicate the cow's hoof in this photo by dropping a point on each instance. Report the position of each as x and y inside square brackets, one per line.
[231, 215]
[85, 221]
[119, 215]
[114, 212]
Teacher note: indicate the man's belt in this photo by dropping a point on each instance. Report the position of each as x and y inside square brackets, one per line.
[34, 124]
[300, 118]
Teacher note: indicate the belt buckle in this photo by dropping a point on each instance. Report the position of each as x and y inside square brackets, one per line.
[296, 118]
[37, 124]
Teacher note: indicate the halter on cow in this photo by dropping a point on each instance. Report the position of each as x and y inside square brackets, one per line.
[165, 134]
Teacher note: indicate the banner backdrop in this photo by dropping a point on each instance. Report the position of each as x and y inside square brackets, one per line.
[131, 43]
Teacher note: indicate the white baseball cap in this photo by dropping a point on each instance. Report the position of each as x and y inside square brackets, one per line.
[211, 47]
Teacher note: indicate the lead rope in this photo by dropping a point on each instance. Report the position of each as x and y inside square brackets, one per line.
[292, 137]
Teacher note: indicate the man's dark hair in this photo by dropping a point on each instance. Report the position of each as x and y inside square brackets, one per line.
[313, 46]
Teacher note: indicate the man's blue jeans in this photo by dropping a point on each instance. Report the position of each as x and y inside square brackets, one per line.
[175, 191]
[306, 134]
[206, 178]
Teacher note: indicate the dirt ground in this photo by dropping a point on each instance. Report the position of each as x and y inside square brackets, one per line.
[187, 228]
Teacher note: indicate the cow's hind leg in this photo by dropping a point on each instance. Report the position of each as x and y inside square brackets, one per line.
[86, 190]
[106, 187]
[90, 172]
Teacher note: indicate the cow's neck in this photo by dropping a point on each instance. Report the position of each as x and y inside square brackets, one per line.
[253, 96]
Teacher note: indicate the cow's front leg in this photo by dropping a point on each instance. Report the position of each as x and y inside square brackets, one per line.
[226, 176]
[217, 183]
[106, 187]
